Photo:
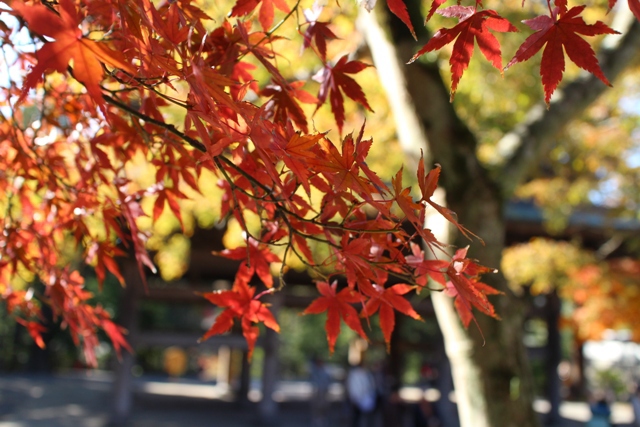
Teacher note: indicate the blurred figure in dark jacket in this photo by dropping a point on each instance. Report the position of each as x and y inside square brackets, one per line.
[320, 381]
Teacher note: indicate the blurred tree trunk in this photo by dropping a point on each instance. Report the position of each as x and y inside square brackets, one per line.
[490, 369]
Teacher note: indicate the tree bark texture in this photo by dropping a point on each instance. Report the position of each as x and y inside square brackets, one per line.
[268, 408]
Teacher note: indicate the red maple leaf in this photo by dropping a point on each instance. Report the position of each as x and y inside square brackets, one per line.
[557, 34]
[338, 306]
[464, 284]
[334, 79]
[425, 268]
[361, 152]
[386, 301]
[104, 255]
[175, 31]
[296, 153]
[353, 259]
[473, 25]
[171, 196]
[413, 211]
[434, 7]
[115, 334]
[69, 45]
[317, 31]
[239, 302]
[342, 169]
[336, 203]
[634, 5]
[398, 8]
[284, 103]
[428, 184]
[257, 258]
[35, 330]
[405, 201]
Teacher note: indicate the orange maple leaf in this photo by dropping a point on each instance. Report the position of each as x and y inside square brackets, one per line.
[295, 153]
[342, 168]
[114, 332]
[35, 330]
[405, 201]
[69, 44]
[244, 7]
[256, 259]
[240, 302]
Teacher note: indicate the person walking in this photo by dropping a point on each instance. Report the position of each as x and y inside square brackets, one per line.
[600, 413]
[635, 405]
[361, 391]
[320, 381]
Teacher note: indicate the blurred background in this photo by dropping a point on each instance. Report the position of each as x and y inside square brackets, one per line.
[571, 257]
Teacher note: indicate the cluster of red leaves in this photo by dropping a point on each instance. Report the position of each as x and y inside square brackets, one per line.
[561, 29]
[69, 300]
[474, 25]
[240, 302]
[67, 167]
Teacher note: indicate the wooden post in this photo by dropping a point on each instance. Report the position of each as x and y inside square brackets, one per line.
[268, 408]
[245, 379]
[554, 355]
[123, 383]
[444, 383]
[223, 369]
[396, 353]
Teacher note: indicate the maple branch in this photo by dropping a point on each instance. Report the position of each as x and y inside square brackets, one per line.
[198, 145]
[527, 143]
[169, 127]
[285, 211]
[234, 187]
[283, 20]
[141, 82]
[268, 191]
[279, 202]
[281, 272]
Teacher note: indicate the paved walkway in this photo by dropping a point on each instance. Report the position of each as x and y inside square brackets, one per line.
[82, 400]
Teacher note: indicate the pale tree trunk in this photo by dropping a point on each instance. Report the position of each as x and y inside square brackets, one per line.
[477, 391]
[490, 370]
[467, 376]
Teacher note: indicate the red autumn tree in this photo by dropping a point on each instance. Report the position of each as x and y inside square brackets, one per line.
[100, 78]
[68, 168]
